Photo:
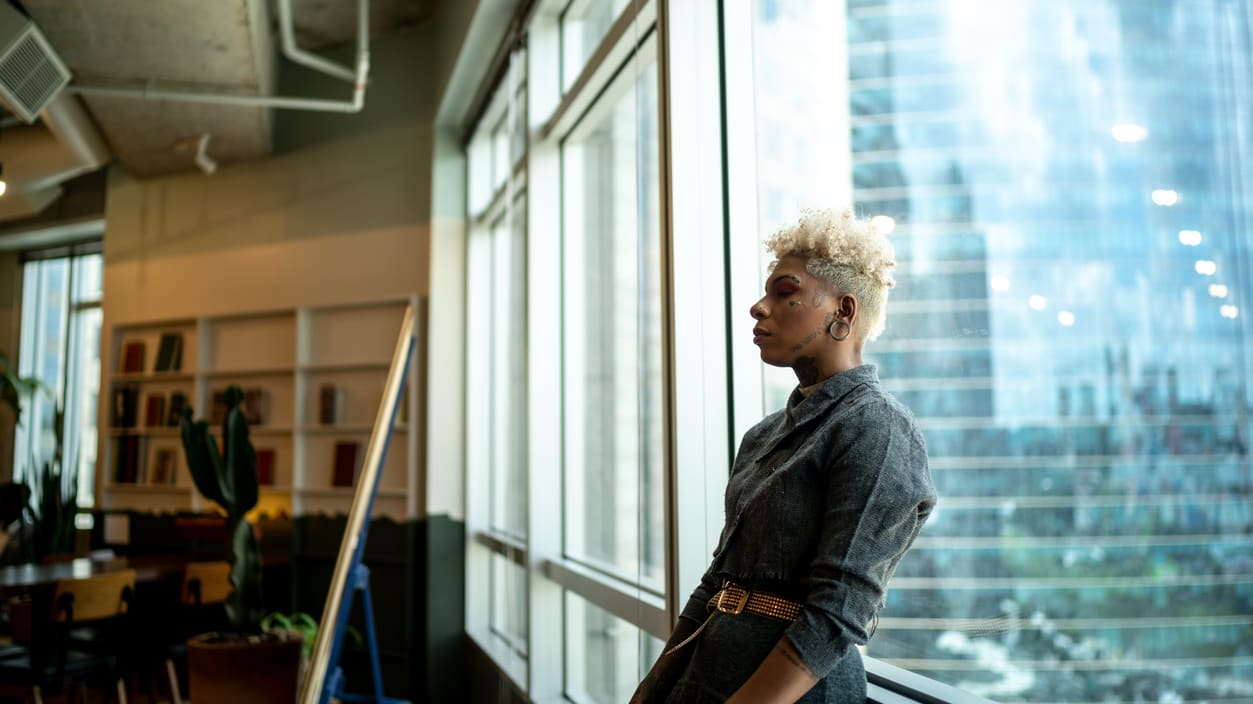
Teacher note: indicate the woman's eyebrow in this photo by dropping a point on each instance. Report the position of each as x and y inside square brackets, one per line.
[781, 277]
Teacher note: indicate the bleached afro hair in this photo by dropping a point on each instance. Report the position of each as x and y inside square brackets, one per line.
[848, 252]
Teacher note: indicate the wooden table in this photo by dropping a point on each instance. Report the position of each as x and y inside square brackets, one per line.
[148, 568]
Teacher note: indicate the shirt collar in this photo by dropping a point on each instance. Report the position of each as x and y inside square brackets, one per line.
[802, 408]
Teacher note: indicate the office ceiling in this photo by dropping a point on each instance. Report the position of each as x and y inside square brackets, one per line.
[220, 46]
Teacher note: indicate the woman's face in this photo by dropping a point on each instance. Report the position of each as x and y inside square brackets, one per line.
[793, 317]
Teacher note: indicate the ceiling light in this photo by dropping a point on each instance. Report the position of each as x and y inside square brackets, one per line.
[1038, 302]
[1205, 267]
[1229, 312]
[1191, 238]
[1065, 317]
[884, 223]
[999, 283]
[1129, 132]
[1218, 290]
[1165, 196]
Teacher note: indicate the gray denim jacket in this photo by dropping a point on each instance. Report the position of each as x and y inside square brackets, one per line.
[825, 495]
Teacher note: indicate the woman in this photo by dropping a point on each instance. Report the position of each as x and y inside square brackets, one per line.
[824, 498]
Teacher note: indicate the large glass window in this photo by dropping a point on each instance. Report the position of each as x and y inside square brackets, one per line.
[60, 346]
[496, 383]
[612, 335]
[565, 499]
[1067, 186]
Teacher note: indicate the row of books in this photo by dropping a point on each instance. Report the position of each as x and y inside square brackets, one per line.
[128, 469]
[159, 410]
[169, 355]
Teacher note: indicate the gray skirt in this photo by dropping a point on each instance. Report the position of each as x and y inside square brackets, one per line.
[729, 650]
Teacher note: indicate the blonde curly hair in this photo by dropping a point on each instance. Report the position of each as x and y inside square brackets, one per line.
[848, 252]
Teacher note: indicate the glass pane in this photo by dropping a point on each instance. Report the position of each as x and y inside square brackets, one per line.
[1069, 325]
[793, 123]
[612, 338]
[508, 386]
[606, 657]
[82, 401]
[518, 131]
[89, 270]
[508, 620]
[481, 185]
[45, 313]
[582, 30]
[502, 165]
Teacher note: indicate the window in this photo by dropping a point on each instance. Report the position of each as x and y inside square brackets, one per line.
[612, 334]
[565, 507]
[496, 384]
[60, 345]
[1049, 213]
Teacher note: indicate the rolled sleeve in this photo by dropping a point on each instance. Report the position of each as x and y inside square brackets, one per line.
[879, 494]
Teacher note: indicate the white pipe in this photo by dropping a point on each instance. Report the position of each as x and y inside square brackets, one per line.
[151, 91]
[300, 56]
[66, 119]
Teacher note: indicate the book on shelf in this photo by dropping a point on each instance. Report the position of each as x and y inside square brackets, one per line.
[217, 412]
[154, 410]
[177, 401]
[164, 461]
[132, 357]
[170, 352]
[256, 406]
[126, 460]
[331, 401]
[265, 466]
[125, 407]
[344, 472]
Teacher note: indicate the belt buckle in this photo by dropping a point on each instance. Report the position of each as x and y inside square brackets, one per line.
[741, 600]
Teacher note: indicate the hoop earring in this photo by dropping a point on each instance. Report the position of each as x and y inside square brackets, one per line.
[848, 329]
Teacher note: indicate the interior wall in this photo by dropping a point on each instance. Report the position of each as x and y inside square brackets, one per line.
[340, 214]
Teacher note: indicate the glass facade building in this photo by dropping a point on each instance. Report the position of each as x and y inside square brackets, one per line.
[1068, 184]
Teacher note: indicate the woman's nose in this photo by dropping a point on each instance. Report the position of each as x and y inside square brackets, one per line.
[757, 311]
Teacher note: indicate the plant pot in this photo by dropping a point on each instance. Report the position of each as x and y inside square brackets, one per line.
[225, 667]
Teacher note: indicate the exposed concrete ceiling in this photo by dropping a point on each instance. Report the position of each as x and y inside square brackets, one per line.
[221, 46]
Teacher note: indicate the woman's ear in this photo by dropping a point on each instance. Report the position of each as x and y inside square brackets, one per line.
[847, 308]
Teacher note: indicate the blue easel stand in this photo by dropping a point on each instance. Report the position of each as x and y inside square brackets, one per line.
[359, 581]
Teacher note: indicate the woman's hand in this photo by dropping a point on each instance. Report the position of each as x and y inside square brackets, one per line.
[782, 678]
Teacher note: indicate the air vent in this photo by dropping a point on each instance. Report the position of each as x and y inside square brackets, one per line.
[30, 74]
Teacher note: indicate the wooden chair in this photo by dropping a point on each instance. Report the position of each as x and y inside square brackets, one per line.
[54, 660]
[206, 585]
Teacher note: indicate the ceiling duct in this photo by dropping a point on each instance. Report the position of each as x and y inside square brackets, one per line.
[31, 75]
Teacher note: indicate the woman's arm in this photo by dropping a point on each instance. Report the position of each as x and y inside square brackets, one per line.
[669, 667]
[782, 678]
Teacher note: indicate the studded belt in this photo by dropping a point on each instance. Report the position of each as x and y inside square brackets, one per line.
[734, 599]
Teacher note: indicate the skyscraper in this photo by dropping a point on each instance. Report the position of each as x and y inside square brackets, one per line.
[1068, 184]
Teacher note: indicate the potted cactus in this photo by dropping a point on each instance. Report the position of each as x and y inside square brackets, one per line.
[246, 664]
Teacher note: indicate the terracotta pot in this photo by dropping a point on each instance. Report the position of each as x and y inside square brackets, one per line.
[229, 668]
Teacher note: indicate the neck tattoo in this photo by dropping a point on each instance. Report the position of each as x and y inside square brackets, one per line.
[806, 371]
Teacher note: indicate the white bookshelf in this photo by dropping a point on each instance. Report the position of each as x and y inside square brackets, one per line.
[289, 355]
